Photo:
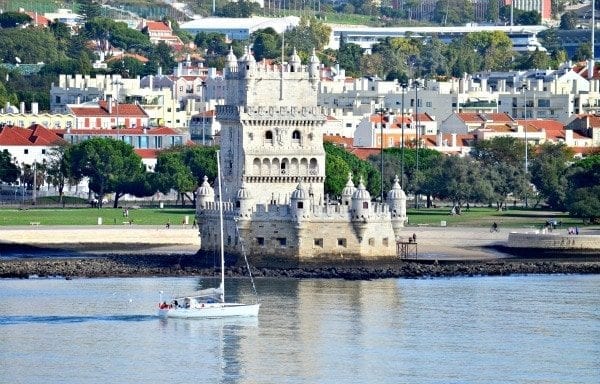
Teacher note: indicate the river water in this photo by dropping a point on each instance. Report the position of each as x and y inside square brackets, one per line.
[517, 329]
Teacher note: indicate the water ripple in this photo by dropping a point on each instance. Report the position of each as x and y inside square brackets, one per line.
[12, 320]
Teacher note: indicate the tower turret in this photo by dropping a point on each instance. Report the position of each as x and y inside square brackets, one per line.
[244, 201]
[397, 201]
[361, 200]
[205, 194]
[314, 65]
[348, 190]
[299, 201]
[295, 62]
[247, 64]
[231, 63]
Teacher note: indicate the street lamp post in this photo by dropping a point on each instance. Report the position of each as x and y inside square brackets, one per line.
[404, 85]
[524, 89]
[416, 85]
[117, 83]
[381, 111]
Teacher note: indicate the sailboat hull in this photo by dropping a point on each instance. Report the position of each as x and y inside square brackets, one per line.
[213, 310]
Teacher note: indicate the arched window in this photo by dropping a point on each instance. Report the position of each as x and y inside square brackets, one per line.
[313, 168]
[296, 136]
[269, 137]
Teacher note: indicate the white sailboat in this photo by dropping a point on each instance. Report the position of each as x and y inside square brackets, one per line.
[209, 303]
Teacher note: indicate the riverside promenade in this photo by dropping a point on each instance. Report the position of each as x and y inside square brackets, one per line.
[125, 239]
[111, 251]
[433, 243]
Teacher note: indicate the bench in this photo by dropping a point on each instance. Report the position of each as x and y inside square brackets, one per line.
[36, 223]
[422, 225]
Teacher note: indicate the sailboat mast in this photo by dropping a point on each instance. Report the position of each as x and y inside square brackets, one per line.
[221, 224]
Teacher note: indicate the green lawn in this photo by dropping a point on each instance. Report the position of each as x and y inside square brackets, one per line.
[484, 217]
[475, 217]
[89, 216]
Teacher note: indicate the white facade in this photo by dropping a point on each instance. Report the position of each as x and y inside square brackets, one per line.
[273, 173]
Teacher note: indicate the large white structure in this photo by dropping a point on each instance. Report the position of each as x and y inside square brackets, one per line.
[273, 173]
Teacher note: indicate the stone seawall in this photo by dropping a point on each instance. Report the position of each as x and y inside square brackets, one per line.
[102, 238]
[550, 241]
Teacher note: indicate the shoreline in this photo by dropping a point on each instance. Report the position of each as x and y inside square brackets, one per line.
[442, 252]
[188, 266]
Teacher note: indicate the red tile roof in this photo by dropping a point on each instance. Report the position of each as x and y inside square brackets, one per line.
[470, 117]
[37, 19]
[346, 142]
[35, 135]
[364, 153]
[125, 110]
[128, 131]
[147, 153]
[139, 58]
[157, 26]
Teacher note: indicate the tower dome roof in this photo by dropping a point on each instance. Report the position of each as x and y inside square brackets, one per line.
[300, 193]
[361, 192]
[295, 59]
[205, 189]
[313, 58]
[231, 59]
[349, 189]
[243, 193]
[396, 193]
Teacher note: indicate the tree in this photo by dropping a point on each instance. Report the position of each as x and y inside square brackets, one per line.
[568, 20]
[173, 173]
[164, 55]
[109, 164]
[528, 18]
[583, 194]
[492, 13]
[502, 158]
[336, 171]
[495, 48]
[358, 167]
[213, 43]
[58, 168]
[499, 150]
[31, 45]
[13, 19]
[9, 171]
[537, 59]
[267, 44]
[548, 170]
[242, 9]
[348, 57]
[453, 12]
[583, 52]
[308, 35]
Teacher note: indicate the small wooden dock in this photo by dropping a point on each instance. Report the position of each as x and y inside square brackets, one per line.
[407, 250]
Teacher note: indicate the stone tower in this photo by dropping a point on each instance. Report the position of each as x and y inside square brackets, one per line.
[271, 135]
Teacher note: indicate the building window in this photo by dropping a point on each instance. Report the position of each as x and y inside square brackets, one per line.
[282, 241]
[319, 243]
[300, 205]
[365, 205]
[260, 241]
[269, 137]
[26, 151]
[385, 242]
[43, 151]
[296, 136]
[372, 241]
[341, 242]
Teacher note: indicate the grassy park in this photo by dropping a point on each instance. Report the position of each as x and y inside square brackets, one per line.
[516, 217]
[89, 216]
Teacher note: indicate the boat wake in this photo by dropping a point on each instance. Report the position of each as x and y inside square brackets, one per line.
[12, 320]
